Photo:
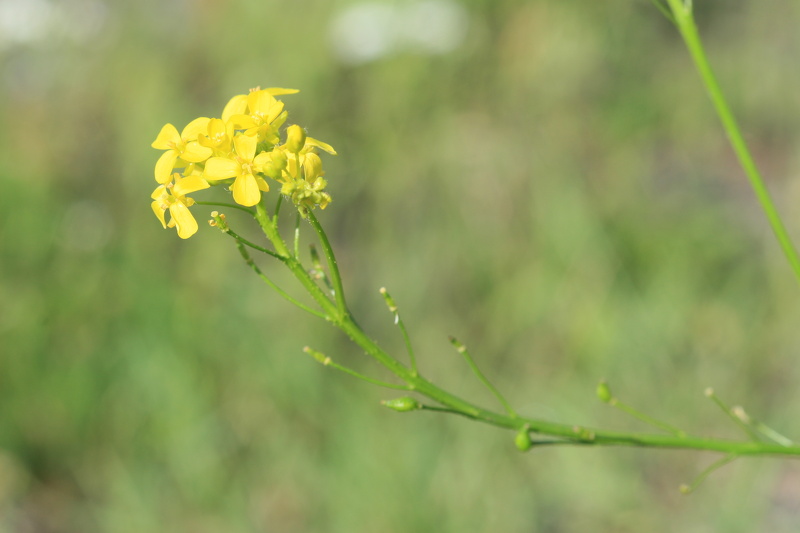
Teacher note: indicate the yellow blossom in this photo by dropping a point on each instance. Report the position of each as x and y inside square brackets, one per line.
[172, 196]
[263, 114]
[243, 165]
[238, 104]
[182, 145]
[295, 138]
[218, 136]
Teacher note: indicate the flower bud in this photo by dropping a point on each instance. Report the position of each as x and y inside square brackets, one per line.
[603, 392]
[523, 440]
[277, 162]
[295, 138]
[402, 404]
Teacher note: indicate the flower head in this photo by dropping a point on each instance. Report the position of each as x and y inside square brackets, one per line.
[241, 150]
[245, 166]
[172, 197]
[259, 113]
[182, 145]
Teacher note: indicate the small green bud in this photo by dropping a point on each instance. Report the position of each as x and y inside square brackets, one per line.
[402, 404]
[523, 440]
[295, 138]
[604, 393]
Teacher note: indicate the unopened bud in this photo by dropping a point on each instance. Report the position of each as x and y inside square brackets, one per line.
[604, 392]
[523, 440]
[295, 138]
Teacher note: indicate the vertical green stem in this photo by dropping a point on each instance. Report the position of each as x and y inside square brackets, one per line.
[336, 277]
[688, 29]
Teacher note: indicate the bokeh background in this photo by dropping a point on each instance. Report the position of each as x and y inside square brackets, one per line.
[543, 179]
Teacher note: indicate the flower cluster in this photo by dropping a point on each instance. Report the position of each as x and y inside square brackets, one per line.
[239, 150]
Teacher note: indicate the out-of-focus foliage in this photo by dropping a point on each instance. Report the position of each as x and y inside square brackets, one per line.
[543, 179]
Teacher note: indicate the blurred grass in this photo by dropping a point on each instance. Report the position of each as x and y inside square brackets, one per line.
[555, 192]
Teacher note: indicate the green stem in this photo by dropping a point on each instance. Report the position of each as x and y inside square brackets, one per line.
[224, 204]
[327, 361]
[452, 403]
[260, 274]
[686, 25]
[583, 435]
[270, 229]
[728, 411]
[686, 489]
[460, 348]
[646, 418]
[398, 320]
[332, 265]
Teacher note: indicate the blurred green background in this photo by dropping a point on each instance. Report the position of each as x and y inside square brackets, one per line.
[543, 179]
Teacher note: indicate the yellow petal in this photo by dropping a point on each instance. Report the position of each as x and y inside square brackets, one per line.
[319, 144]
[196, 153]
[189, 185]
[158, 209]
[195, 128]
[245, 190]
[242, 121]
[245, 146]
[220, 168]
[260, 102]
[276, 91]
[184, 220]
[262, 185]
[312, 166]
[219, 129]
[167, 138]
[235, 106]
[161, 189]
[164, 166]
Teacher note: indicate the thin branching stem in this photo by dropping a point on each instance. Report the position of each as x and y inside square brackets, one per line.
[327, 361]
[460, 348]
[646, 418]
[716, 465]
[684, 20]
[750, 432]
[333, 267]
[265, 278]
[398, 320]
[225, 204]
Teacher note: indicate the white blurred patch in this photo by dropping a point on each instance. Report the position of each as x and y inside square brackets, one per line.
[86, 226]
[33, 21]
[368, 31]
[24, 21]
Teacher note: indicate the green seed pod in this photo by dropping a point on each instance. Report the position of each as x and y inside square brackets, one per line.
[523, 440]
[402, 404]
[604, 393]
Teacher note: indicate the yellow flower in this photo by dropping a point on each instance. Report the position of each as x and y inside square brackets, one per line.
[172, 196]
[218, 137]
[238, 104]
[244, 165]
[182, 145]
[260, 113]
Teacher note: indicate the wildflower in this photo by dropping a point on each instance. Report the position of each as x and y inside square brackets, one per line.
[218, 136]
[261, 115]
[238, 104]
[172, 196]
[182, 145]
[244, 165]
